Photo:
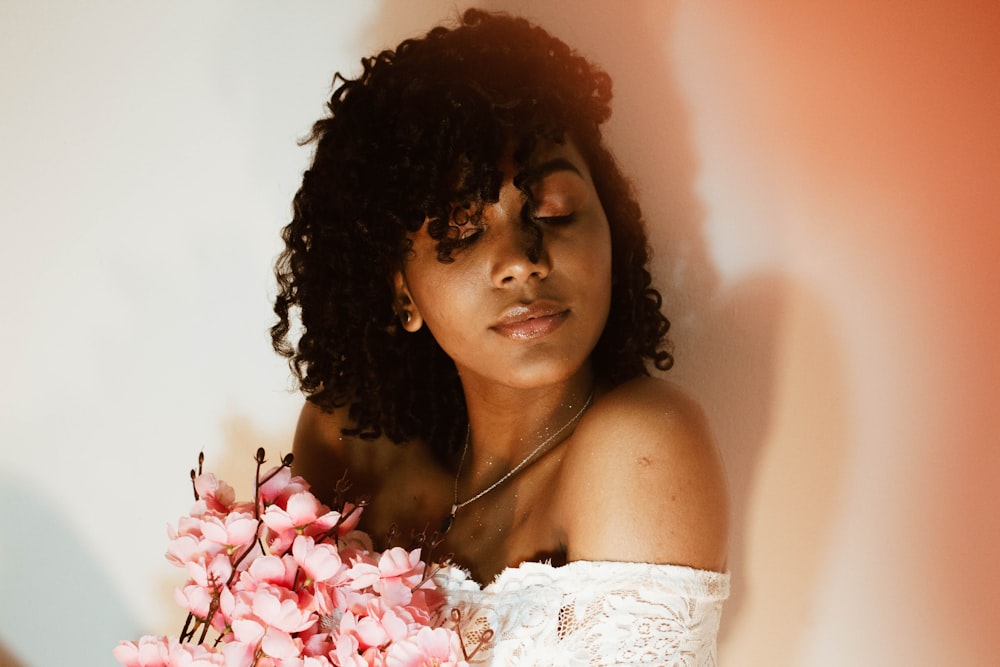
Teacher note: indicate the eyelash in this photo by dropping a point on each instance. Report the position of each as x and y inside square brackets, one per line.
[470, 235]
[467, 238]
[558, 219]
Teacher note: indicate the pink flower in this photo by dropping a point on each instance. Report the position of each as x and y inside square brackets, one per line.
[363, 573]
[216, 494]
[233, 530]
[278, 644]
[280, 486]
[272, 641]
[430, 646]
[316, 640]
[184, 549]
[208, 581]
[195, 599]
[186, 525]
[352, 515]
[294, 661]
[212, 573]
[320, 562]
[281, 608]
[398, 562]
[187, 542]
[269, 570]
[238, 653]
[316, 661]
[332, 601]
[377, 628]
[424, 600]
[346, 652]
[303, 514]
[311, 593]
[165, 652]
[400, 571]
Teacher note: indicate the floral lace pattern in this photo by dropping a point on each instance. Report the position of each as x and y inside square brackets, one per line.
[589, 613]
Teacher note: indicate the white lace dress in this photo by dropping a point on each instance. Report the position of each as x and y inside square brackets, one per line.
[589, 613]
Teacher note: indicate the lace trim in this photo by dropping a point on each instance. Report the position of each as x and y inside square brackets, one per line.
[590, 613]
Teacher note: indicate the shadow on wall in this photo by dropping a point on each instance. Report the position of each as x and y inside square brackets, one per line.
[7, 659]
[769, 372]
[729, 362]
[57, 599]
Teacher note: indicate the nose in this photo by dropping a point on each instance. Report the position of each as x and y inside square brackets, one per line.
[521, 253]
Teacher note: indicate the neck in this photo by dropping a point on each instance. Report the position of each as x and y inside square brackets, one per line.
[505, 423]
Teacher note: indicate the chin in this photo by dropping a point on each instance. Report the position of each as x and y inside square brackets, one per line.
[537, 375]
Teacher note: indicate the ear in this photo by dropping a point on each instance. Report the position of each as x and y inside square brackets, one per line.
[409, 314]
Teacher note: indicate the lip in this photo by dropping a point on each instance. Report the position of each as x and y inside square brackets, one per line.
[528, 321]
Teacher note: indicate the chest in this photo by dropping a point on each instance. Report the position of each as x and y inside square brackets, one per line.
[515, 522]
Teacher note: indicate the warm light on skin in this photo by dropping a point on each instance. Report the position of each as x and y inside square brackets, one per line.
[478, 306]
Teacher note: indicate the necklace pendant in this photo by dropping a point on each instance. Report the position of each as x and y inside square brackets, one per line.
[447, 522]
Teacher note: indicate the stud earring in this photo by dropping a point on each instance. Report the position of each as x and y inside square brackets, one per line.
[405, 317]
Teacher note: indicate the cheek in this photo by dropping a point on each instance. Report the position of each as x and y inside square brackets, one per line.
[589, 255]
[597, 256]
[605, 255]
[444, 306]
[602, 271]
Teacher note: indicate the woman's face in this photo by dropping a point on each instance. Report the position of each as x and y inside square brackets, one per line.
[513, 308]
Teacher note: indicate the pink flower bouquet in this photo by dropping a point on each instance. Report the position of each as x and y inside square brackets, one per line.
[284, 581]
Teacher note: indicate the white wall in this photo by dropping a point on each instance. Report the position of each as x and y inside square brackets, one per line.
[822, 187]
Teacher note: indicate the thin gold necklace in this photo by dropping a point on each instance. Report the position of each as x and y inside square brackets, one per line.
[449, 520]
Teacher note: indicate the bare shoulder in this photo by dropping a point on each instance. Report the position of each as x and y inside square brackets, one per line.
[402, 480]
[323, 454]
[645, 467]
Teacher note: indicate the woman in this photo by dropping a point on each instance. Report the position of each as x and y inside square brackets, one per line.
[469, 267]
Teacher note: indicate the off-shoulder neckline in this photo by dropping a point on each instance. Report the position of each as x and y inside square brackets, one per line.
[528, 572]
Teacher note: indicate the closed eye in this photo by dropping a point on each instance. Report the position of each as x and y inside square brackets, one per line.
[466, 225]
[464, 237]
[557, 219]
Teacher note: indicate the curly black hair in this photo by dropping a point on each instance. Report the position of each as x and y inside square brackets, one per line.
[422, 130]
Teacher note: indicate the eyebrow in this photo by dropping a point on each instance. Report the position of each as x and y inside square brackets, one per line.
[538, 172]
